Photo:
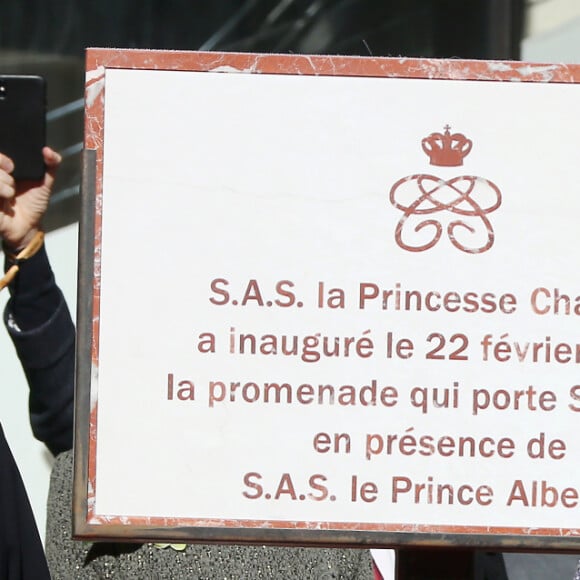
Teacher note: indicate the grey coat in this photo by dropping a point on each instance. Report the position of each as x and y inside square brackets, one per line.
[69, 559]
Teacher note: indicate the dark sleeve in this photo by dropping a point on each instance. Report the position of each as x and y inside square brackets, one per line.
[41, 328]
[21, 552]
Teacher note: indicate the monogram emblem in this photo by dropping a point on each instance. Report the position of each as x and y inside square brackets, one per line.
[432, 205]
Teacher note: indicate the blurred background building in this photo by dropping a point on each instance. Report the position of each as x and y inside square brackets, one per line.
[49, 37]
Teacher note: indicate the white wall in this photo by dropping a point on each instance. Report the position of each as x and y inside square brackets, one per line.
[552, 32]
[33, 459]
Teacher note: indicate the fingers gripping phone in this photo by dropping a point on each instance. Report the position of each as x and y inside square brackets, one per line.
[23, 124]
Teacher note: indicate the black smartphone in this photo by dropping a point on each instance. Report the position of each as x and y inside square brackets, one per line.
[23, 124]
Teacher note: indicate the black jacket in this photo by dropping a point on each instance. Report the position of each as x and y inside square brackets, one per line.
[42, 331]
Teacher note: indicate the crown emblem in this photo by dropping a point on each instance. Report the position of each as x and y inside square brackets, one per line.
[446, 149]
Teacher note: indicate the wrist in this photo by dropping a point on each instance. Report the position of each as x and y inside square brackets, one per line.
[14, 261]
[12, 247]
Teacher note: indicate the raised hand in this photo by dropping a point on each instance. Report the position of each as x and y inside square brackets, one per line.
[23, 203]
